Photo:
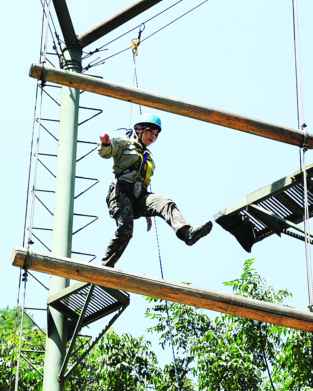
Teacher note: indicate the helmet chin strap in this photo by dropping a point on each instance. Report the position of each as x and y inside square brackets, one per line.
[139, 136]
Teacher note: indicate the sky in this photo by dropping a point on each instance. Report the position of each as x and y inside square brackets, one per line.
[233, 55]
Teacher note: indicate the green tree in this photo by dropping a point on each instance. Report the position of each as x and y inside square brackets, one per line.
[11, 318]
[223, 354]
[233, 353]
[32, 340]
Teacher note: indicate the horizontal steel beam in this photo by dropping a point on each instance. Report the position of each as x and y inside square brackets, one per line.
[116, 21]
[172, 105]
[149, 286]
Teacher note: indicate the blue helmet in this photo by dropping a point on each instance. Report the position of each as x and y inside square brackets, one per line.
[149, 119]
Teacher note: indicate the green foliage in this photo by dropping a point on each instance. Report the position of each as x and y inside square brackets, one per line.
[223, 354]
[233, 353]
[10, 318]
[10, 321]
[124, 363]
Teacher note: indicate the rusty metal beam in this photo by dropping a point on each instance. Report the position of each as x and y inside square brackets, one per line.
[167, 290]
[172, 105]
[115, 21]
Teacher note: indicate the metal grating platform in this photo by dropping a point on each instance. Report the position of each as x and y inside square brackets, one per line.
[276, 208]
[103, 301]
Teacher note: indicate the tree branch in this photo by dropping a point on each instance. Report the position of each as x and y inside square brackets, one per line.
[264, 357]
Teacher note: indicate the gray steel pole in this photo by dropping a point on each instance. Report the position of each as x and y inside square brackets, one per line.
[63, 219]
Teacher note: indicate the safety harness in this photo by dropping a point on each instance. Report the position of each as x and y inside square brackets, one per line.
[145, 167]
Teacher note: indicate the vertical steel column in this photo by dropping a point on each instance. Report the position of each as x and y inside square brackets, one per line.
[63, 219]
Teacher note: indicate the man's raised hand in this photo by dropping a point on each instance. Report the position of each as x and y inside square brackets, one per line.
[105, 138]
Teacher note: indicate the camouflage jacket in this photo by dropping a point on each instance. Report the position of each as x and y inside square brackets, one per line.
[126, 157]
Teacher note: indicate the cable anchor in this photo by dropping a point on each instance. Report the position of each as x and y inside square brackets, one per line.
[136, 42]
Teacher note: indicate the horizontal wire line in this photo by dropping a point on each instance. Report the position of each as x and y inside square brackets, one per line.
[149, 36]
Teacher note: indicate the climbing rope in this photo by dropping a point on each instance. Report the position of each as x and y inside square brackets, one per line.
[25, 275]
[45, 21]
[43, 61]
[169, 324]
[15, 328]
[303, 149]
[134, 45]
[307, 239]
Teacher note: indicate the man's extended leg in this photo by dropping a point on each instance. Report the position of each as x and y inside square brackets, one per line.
[155, 205]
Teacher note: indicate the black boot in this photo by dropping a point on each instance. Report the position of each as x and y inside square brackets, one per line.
[197, 232]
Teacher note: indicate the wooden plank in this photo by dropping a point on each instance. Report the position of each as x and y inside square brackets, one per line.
[172, 105]
[180, 293]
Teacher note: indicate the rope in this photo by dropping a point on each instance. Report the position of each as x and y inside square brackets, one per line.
[135, 44]
[15, 328]
[300, 119]
[166, 304]
[28, 258]
[43, 60]
[307, 241]
[25, 275]
[55, 32]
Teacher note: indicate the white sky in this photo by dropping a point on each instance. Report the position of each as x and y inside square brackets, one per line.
[233, 55]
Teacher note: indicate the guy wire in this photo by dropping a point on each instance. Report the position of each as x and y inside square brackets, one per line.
[129, 31]
[124, 50]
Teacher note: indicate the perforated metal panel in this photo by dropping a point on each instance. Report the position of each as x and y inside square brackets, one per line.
[284, 200]
[104, 301]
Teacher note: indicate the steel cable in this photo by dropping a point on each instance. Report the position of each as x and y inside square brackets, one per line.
[302, 125]
[129, 31]
[149, 36]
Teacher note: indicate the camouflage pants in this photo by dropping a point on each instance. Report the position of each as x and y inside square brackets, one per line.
[124, 207]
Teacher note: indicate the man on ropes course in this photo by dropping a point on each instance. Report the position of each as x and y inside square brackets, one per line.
[128, 196]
